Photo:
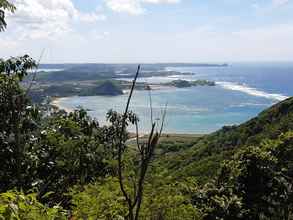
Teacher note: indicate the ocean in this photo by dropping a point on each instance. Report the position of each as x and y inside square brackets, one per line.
[242, 91]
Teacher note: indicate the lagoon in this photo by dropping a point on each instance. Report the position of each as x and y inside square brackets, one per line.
[241, 92]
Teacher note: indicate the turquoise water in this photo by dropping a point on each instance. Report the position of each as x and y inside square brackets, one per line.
[242, 91]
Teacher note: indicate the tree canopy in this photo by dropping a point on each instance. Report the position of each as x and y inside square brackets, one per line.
[4, 7]
[64, 165]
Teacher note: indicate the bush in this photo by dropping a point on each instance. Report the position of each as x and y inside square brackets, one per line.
[16, 205]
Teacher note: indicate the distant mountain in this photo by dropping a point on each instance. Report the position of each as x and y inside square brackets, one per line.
[204, 157]
[79, 72]
[149, 66]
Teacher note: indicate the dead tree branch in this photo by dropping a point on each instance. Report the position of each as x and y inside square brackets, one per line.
[146, 153]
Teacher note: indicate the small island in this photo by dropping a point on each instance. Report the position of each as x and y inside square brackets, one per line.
[67, 80]
[184, 83]
[97, 88]
[111, 87]
[106, 80]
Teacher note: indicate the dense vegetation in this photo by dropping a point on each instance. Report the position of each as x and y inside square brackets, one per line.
[98, 87]
[4, 6]
[203, 159]
[101, 87]
[184, 83]
[56, 165]
[69, 163]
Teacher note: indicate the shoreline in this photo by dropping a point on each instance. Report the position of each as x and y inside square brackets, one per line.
[56, 103]
[56, 100]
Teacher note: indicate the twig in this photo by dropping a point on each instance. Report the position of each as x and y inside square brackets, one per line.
[120, 176]
[137, 137]
[146, 154]
[151, 106]
[35, 73]
[163, 119]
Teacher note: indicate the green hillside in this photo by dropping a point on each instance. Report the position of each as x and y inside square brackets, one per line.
[204, 157]
[58, 165]
[68, 162]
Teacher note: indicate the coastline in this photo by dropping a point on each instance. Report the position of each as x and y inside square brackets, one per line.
[56, 100]
[56, 103]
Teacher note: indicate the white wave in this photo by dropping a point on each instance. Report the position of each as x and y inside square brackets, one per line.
[47, 70]
[172, 108]
[251, 91]
[175, 76]
[123, 74]
[245, 104]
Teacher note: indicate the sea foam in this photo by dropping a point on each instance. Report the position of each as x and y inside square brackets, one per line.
[251, 91]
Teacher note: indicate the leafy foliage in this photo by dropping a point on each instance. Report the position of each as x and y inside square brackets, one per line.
[69, 151]
[19, 120]
[104, 200]
[240, 172]
[50, 153]
[256, 184]
[15, 205]
[101, 200]
[217, 202]
[5, 5]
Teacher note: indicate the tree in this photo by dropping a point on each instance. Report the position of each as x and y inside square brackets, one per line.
[256, 184]
[16, 205]
[18, 120]
[70, 150]
[218, 202]
[134, 196]
[103, 200]
[5, 6]
[262, 177]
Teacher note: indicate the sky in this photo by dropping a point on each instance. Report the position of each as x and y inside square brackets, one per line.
[147, 31]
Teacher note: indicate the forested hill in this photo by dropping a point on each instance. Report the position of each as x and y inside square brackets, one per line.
[268, 124]
[204, 157]
[84, 171]
[95, 71]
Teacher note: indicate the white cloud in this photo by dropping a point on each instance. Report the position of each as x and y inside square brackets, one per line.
[280, 2]
[97, 35]
[161, 1]
[202, 44]
[35, 19]
[90, 17]
[270, 6]
[252, 44]
[134, 7]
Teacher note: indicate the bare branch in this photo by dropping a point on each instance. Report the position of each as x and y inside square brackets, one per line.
[137, 137]
[151, 105]
[163, 119]
[146, 150]
[35, 73]
[120, 147]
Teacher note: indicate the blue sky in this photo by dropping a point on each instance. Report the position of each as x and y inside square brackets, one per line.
[151, 30]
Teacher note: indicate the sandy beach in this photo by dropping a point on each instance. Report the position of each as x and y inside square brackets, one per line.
[56, 102]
